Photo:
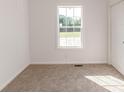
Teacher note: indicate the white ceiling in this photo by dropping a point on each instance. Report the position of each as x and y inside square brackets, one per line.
[114, 1]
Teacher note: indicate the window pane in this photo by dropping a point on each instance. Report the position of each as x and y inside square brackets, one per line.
[70, 14]
[77, 12]
[74, 39]
[77, 21]
[77, 16]
[62, 17]
[62, 11]
[63, 40]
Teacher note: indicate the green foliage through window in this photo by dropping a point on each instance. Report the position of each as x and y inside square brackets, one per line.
[69, 21]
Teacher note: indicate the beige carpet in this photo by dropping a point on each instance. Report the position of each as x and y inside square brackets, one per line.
[67, 78]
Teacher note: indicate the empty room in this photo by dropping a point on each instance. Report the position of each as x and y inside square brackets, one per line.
[61, 45]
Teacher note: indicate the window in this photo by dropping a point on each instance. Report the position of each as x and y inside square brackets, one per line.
[69, 26]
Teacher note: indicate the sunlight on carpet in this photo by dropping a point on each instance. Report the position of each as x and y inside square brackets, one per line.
[108, 82]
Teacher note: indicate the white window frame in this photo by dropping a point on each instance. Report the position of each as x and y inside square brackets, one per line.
[58, 26]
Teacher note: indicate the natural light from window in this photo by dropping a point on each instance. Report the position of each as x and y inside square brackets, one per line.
[110, 83]
[69, 26]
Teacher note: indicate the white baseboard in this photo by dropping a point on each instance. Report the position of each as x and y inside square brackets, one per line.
[70, 62]
[13, 77]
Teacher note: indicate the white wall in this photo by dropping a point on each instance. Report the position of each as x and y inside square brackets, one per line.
[14, 39]
[44, 28]
[117, 28]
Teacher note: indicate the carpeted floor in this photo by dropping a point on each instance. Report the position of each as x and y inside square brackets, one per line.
[67, 78]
